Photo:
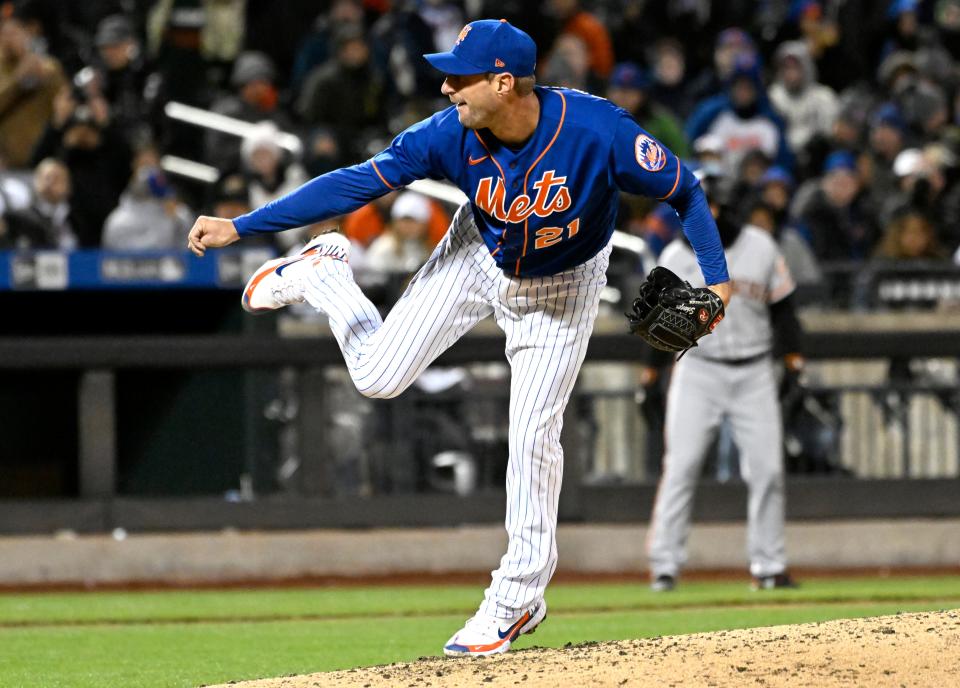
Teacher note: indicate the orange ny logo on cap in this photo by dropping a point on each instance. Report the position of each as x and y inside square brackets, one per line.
[499, 63]
[463, 33]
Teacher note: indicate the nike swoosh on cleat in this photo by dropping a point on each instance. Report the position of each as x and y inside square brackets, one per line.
[477, 161]
[281, 268]
[515, 627]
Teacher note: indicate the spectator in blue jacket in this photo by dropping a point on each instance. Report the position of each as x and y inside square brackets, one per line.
[743, 118]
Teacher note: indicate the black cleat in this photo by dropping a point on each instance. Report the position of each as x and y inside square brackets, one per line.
[663, 583]
[778, 580]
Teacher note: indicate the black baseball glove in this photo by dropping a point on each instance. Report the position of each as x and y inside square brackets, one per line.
[670, 314]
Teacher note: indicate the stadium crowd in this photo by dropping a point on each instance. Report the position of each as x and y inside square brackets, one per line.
[834, 125]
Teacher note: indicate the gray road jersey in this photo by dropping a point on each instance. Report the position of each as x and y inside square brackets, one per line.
[760, 277]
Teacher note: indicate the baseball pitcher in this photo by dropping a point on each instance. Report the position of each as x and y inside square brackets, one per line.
[542, 168]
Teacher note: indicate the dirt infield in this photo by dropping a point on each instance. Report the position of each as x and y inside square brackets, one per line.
[910, 650]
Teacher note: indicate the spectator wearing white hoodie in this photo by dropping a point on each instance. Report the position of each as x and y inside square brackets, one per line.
[808, 107]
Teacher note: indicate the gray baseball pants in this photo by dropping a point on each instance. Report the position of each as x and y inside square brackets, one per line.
[701, 393]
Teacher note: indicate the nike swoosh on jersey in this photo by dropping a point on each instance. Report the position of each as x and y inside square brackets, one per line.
[477, 161]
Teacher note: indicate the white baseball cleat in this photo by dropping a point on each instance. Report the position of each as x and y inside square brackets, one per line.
[280, 282]
[484, 635]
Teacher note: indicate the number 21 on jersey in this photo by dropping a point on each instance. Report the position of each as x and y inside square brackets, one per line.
[548, 236]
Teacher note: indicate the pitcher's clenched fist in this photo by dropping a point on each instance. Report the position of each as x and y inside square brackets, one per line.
[211, 232]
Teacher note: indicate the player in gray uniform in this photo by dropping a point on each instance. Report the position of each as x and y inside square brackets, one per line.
[730, 374]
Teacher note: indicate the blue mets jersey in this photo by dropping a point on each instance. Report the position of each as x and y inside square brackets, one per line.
[542, 208]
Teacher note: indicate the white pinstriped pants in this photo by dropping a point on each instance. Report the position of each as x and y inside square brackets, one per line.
[547, 322]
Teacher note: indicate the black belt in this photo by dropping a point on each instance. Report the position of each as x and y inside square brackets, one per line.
[737, 361]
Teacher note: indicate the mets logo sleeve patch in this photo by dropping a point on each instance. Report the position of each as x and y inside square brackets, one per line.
[650, 154]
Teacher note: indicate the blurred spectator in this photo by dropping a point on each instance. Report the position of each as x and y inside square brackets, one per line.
[445, 19]
[895, 70]
[732, 46]
[888, 137]
[255, 99]
[770, 212]
[405, 245]
[742, 118]
[910, 236]
[270, 173]
[365, 224]
[402, 36]
[923, 187]
[837, 61]
[173, 40]
[849, 127]
[924, 107]
[63, 28]
[29, 82]
[214, 29]
[849, 132]
[122, 77]
[709, 148]
[231, 198]
[808, 107]
[753, 166]
[149, 215]
[630, 89]
[640, 24]
[585, 26]
[669, 77]
[278, 28]
[95, 152]
[192, 45]
[568, 65]
[835, 216]
[346, 95]
[318, 45]
[48, 221]
[947, 18]
[904, 26]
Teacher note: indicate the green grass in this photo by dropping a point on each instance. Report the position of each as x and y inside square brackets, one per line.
[420, 600]
[215, 636]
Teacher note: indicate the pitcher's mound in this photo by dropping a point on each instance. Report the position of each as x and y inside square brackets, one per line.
[913, 650]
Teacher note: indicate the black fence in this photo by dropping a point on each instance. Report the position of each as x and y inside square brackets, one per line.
[251, 430]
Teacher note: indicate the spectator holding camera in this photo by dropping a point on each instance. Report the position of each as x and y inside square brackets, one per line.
[29, 82]
[82, 135]
[123, 78]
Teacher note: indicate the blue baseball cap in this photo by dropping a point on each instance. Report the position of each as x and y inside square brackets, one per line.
[888, 115]
[840, 160]
[488, 45]
[777, 175]
[898, 7]
[630, 75]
